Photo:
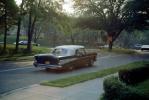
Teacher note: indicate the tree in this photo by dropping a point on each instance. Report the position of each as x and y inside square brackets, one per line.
[140, 9]
[2, 13]
[8, 16]
[31, 5]
[5, 25]
[112, 16]
[67, 26]
[37, 32]
[38, 9]
[20, 15]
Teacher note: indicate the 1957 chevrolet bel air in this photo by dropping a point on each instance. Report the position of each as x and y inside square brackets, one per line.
[64, 58]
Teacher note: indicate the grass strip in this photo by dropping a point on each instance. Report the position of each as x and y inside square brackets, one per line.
[93, 75]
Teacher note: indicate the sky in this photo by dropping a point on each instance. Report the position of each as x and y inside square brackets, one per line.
[67, 7]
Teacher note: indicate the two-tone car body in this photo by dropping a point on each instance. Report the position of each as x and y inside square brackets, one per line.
[65, 57]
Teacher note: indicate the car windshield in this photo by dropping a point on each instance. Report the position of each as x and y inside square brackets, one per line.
[59, 52]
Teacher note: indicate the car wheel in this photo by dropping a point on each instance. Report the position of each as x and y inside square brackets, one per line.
[48, 69]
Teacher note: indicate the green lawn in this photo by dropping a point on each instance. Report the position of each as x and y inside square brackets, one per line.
[21, 55]
[93, 75]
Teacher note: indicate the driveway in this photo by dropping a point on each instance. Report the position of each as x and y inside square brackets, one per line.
[16, 75]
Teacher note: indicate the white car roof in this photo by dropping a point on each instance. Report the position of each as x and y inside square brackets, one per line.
[70, 47]
[145, 46]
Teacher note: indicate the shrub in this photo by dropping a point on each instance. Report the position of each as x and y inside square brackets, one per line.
[116, 90]
[133, 76]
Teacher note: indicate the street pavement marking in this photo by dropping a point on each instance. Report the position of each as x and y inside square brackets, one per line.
[15, 69]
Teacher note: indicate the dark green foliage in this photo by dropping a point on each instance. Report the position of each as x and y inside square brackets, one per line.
[134, 76]
[140, 13]
[8, 15]
[116, 90]
[143, 86]
[114, 16]
[11, 9]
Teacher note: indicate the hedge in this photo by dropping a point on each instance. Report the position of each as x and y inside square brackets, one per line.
[134, 76]
[116, 90]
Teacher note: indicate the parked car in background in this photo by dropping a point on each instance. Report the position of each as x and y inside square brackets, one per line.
[64, 58]
[145, 47]
[103, 46]
[23, 42]
[26, 42]
[137, 46]
[1, 42]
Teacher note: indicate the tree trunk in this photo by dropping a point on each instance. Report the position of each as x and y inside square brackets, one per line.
[18, 34]
[31, 28]
[19, 27]
[110, 41]
[110, 46]
[5, 33]
[29, 32]
[72, 39]
[36, 35]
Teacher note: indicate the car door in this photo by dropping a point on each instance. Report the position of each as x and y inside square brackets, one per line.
[82, 60]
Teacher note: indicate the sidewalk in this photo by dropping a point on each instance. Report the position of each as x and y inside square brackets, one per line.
[90, 90]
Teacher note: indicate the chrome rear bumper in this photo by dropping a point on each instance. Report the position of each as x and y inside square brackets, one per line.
[46, 65]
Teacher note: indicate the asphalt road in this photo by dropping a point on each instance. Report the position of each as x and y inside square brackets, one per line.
[19, 75]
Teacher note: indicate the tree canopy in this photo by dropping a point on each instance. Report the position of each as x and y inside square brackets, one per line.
[112, 16]
[11, 8]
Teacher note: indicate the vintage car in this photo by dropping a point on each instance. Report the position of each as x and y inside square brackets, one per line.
[24, 42]
[137, 46]
[145, 47]
[64, 58]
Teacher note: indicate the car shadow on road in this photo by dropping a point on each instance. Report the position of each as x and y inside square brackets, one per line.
[77, 70]
[40, 71]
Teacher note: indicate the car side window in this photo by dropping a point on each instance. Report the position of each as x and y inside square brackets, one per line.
[80, 52]
[59, 52]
